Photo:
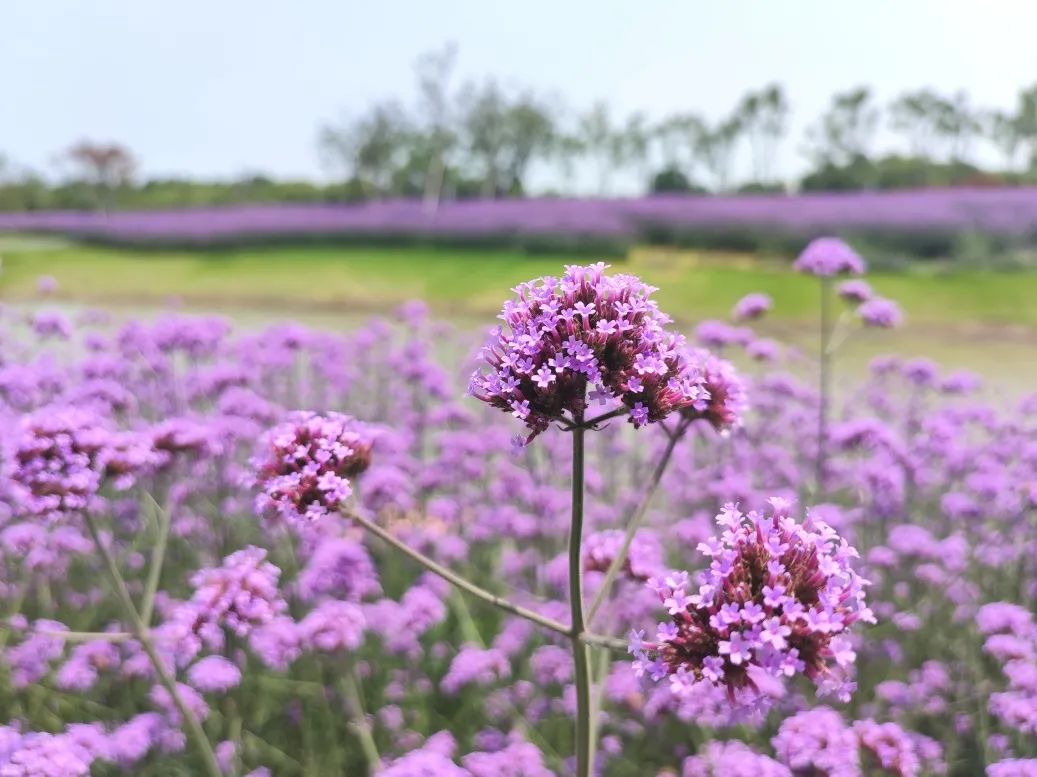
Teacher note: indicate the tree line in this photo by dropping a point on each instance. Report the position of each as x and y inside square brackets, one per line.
[483, 139]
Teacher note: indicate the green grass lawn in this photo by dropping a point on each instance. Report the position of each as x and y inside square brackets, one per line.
[978, 320]
[464, 282]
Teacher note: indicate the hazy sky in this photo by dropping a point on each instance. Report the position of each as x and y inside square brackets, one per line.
[220, 87]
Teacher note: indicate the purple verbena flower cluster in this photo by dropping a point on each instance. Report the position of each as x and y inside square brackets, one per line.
[305, 465]
[778, 600]
[585, 330]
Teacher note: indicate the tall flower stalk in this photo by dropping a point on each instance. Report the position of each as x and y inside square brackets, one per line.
[826, 257]
[581, 662]
[565, 335]
[824, 383]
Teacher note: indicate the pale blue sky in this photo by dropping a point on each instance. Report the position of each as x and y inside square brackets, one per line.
[219, 87]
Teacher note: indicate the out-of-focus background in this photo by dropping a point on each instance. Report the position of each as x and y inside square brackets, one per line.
[325, 161]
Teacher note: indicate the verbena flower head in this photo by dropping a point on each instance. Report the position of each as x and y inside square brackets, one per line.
[777, 600]
[722, 396]
[751, 307]
[214, 674]
[818, 741]
[584, 330]
[855, 291]
[239, 595]
[827, 256]
[305, 464]
[880, 313]
[53, 461]
[731, 759]
[58, 459]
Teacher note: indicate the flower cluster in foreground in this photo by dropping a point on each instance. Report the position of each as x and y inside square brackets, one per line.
[306, 463]
[586, 329]
[777, 600]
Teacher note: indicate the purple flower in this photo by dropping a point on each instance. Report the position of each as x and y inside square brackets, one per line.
[585, 330]
[722, 400]
[896, 750]
[57, 460]
[739, 616]
[817, 741]
[333, 626]
[46, 284]
[304, 466]
[214, 674]
[880, 313]
[751, 307]
[826, 256]
[239, 595]
[855, 291]
[476, 666]
[731, 759]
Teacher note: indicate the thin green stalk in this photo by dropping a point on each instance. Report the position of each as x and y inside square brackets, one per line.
[350, 687]
[635, 522]
[455, 579]
[824, 386]
[158, 556]
[141, 633]
[581, 662]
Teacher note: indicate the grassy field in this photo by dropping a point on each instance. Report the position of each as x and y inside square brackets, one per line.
[473, 283]
[984, 321]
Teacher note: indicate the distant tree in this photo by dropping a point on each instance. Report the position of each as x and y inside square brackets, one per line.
[597, 135]
[368, 148]
[485, 130]
[529, 134]
[763, 117]
[918, 115]
[566, 150]
[670, 180]
[958, 124]
[105, 167]
[631, 146]
[434, 70]
[679, 137]
[1000, 128]
[715, 149]
[1024, 125]
[846, 130]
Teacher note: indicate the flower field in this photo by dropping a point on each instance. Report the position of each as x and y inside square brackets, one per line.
[584, 544]
[912, 218]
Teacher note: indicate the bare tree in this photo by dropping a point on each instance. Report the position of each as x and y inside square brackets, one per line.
[434, 70]
[630, 146]
[368, 148]
[680, 139]
[485, 129]
[763, 118]
[917, 115]
[1023, 124]
[846, 130]
[596, 135]
[104, 166]
[959, 124]
[530, 134]
[715, 150]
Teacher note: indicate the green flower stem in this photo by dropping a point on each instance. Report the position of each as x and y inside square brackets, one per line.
[141, 634]
[455, 579]
[581, 660]
[635, 522]
[350, 686]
